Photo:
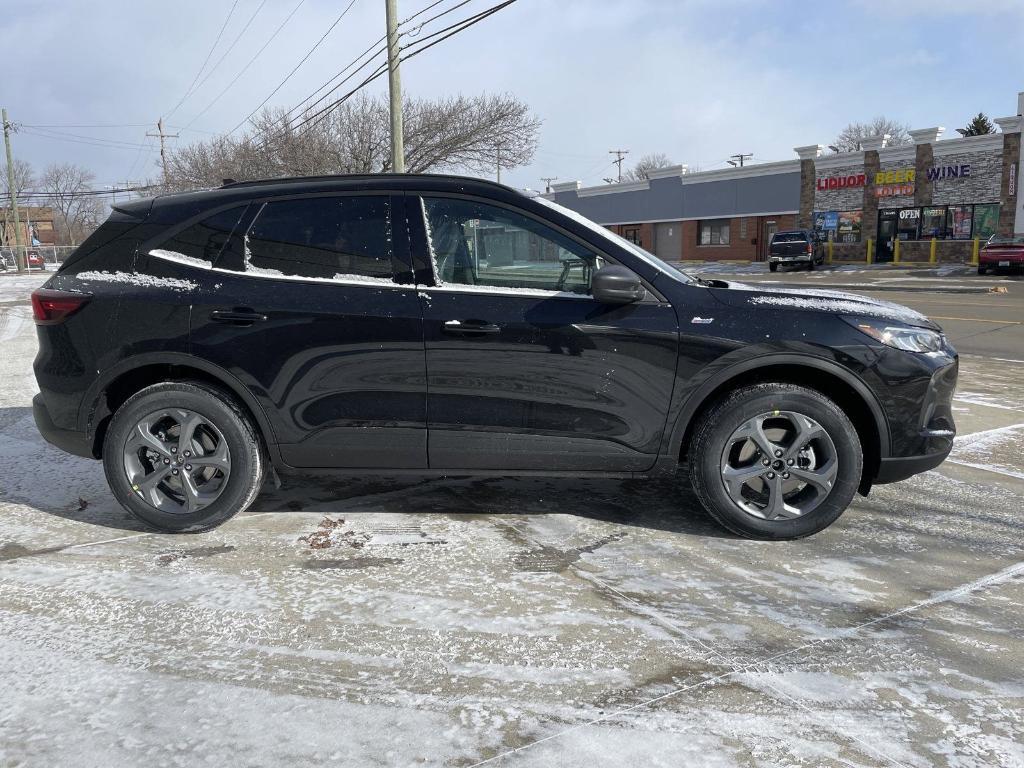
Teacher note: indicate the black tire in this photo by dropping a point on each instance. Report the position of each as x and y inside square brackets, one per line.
[711, 437]
[773, 267]
[248, 461]
[982, 270]
[810, 265]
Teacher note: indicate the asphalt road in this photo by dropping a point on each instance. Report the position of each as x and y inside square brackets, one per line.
[374, 622]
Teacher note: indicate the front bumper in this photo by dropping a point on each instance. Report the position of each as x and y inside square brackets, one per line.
[895, 469]
[68, 440]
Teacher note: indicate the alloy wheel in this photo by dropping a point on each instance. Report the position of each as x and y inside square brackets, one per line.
[779, 465]
[176, 460]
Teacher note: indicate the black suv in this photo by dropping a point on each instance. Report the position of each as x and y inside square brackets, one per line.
[450, 326]
[796, 246]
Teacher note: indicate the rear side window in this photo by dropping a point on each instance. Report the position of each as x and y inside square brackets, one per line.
[205, 240]
[323, 237]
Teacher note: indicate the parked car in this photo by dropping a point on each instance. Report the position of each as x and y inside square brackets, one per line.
[796, 246]
[1002, 252]
[35, 261]
[437, 325]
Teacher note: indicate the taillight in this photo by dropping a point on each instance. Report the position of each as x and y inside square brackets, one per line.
[51, 307]
[810, 248]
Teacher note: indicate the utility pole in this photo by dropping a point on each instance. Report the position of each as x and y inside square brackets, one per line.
[163, 154]
[497, 159]
[620, 155]
[547, 183]
[394, 88]
[737, 160]
[19, 252]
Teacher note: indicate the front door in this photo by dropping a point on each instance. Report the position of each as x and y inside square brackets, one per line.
[888, 221]
[302, 301]
[768, 229]
[525, 371]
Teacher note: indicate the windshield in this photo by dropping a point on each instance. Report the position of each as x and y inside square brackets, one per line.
[1006, 240]
[633, 248]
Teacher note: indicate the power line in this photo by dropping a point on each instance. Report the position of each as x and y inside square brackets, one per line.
[310, 121]
[76, 140]
[233, 44]
[205, 61]
[330, 86]
[83, 125]
[296, 68]
[463, 25]
[249, 63]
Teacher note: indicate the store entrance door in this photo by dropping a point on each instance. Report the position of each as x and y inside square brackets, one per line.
[768, 228]
[888, 220]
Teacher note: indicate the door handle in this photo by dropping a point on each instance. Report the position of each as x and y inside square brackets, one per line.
[237, 316]
[470, 328]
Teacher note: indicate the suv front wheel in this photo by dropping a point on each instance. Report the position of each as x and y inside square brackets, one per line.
[775, 461]
[183, 456]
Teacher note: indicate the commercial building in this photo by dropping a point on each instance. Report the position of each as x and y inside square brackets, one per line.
[36, 224]
[934, 200]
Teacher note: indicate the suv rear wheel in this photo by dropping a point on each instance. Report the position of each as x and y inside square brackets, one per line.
[775, 461]
[183, 456]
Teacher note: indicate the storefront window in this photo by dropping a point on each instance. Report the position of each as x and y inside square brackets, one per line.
[986, 218]
[958, 221]
[714, 232]
[848, 229]
[933, 223]
[909, 219]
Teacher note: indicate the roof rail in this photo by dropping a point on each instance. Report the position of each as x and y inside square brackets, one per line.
[231, 183]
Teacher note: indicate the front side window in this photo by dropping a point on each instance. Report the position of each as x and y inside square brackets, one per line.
[474, 243]
[327, 238]
[714, 232]
[205, 240]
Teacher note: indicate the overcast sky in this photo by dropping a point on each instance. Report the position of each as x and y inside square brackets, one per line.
[696, 80]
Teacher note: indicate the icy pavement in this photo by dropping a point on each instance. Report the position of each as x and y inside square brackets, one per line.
[521, 622]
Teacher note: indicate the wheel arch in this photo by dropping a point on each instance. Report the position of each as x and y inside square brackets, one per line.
[130, 376]
[830, 379]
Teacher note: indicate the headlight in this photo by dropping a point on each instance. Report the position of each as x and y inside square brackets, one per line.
[903, 337]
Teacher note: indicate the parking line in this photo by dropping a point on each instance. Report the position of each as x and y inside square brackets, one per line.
[977, 320]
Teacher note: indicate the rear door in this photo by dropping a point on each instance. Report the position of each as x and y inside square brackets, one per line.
[525, 370]
[308, 302]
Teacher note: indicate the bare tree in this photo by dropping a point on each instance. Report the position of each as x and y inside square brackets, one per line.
[851, 139]
[645, 165]
[77, 214]
[24, 179]
[457, 133]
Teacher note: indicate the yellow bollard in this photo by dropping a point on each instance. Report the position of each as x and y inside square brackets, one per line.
[896, 252]
[830, 250]
[931, 254]
[871, 251]
[974, 251]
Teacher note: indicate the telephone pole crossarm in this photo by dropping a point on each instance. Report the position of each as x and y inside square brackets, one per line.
[620, 155]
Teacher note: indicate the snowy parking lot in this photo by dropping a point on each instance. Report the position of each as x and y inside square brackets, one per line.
[527, 622]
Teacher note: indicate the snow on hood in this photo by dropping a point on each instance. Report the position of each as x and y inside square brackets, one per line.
[816, 300]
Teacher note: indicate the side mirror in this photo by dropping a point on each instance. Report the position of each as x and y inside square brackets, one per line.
[616, 285]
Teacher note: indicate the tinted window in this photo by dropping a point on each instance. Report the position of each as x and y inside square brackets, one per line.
[478, 244]
[323, 237]
[206, 239]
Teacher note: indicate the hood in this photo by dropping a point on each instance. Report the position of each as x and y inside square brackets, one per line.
[744, 295]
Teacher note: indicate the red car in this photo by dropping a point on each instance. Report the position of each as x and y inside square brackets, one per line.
[1002, 252]
[35, 261]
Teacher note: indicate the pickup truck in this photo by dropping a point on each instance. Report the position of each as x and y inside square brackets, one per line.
[796, 246]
